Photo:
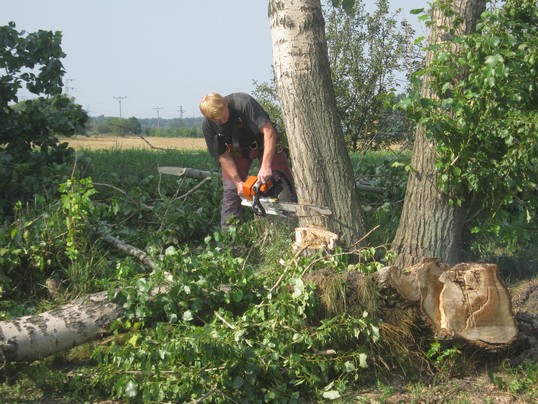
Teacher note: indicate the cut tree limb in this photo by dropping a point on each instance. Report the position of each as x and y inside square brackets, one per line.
[467, 301]
[88, 318]
[35, 337]
[202, 174]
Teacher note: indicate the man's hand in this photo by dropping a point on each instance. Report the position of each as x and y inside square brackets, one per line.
[264, 174]
[239, 187]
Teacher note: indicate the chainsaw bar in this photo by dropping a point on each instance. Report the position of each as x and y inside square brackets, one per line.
[273, 206]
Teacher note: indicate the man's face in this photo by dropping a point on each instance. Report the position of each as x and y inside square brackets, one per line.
[223, 118]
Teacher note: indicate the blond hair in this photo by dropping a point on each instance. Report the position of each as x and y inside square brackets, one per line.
[213, 105]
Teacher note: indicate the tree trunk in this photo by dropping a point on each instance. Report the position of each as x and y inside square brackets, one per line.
[34, 337]
[429, 226]
[321, 165]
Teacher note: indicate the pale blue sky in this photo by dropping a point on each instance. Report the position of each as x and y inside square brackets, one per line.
[158, 53]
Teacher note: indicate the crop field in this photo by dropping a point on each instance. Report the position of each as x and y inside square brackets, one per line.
[134, 142]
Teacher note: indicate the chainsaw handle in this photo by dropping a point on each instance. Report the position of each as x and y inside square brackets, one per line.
[257, 207]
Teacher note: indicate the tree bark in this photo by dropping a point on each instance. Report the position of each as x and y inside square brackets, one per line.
[429, 226]
[88, 318]
[321, 166]
[34, 337]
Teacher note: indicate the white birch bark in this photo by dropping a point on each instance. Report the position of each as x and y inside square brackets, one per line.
[321, 166]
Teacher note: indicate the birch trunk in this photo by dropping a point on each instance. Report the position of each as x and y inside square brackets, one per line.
[321, 166]
[34, 337]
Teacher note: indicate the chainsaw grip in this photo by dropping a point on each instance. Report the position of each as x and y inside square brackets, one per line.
[257, 207]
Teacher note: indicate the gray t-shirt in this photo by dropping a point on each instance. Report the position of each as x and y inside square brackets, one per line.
[247, 117]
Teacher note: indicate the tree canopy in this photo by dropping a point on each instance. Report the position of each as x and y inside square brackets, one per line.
[484, 120]
[29, 129]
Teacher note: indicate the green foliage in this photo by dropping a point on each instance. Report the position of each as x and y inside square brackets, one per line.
[520, 381]
[226, 331]
[366, 50]
[133, 195]
[119, 126]
[29, 129]
[31, 248]
[485, 123]
[387, 172]
[77, 207]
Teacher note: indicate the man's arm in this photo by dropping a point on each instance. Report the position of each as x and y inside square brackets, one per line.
[228, 165]
[269, 148]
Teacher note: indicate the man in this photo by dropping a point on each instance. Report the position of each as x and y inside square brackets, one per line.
[237, 130]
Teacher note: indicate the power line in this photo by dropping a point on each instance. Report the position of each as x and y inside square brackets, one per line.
[68, 87]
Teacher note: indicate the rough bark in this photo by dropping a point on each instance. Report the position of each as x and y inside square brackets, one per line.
[321, 166]
[429, 226]
[467, 301]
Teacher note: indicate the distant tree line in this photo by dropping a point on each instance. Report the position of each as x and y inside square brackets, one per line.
[176, 127]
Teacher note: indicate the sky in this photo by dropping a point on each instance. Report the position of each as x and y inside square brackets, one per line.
[157, 57]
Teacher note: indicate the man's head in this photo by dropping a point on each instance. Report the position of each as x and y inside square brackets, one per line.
[215, 108]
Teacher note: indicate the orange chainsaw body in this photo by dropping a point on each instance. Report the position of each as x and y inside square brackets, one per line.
[252, 187]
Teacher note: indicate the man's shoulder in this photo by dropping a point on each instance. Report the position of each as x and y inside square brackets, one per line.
[239, 98]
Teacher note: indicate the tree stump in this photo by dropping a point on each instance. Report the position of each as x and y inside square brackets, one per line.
[467, 301]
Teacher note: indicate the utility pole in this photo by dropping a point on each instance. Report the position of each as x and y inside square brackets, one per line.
[158, 109]
[181, 111]
[119, 100]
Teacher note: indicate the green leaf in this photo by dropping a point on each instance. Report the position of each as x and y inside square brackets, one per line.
[493, 41]
[494, 60]
[187, 316]
[363, 360]
[331, 395]
[349, 366]
[416, 11]
[131, 389]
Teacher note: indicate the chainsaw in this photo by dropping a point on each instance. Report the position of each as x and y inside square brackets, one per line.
[273, 198]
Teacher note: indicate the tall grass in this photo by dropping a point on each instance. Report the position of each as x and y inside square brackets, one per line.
[133, 164]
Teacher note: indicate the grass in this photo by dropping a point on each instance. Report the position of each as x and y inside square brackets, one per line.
[132, 164]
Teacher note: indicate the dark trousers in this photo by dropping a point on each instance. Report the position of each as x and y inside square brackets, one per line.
[231, 202]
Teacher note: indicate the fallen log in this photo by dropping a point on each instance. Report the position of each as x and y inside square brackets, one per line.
[467, 301]
[202, 174]
[85, 319]
[34, 337]
[185, 172]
